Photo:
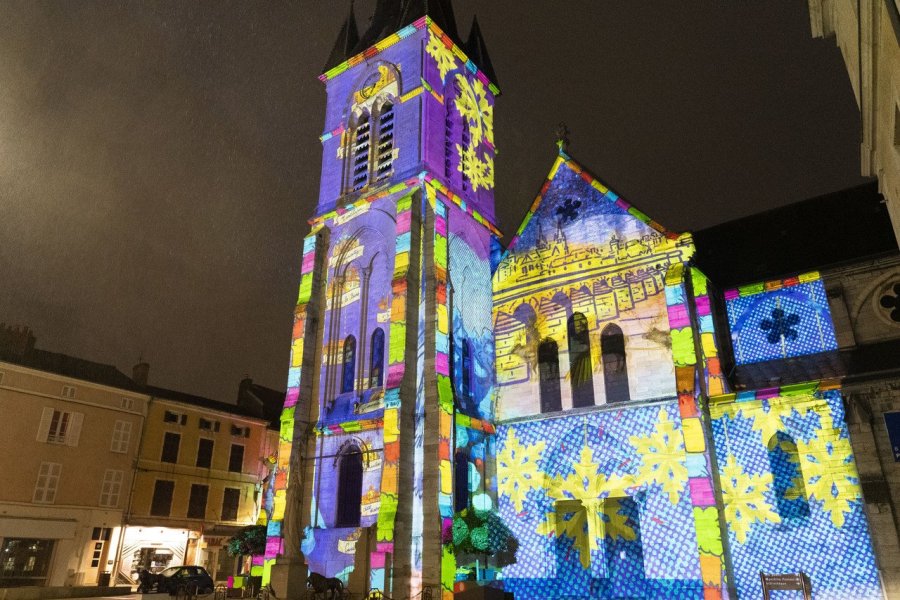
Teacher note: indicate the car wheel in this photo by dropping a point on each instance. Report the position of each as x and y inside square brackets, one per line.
[207, 590]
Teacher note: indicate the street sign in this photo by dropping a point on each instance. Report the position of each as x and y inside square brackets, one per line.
[785, 581]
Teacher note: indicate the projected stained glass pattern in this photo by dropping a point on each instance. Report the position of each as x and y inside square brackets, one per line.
[780, 319]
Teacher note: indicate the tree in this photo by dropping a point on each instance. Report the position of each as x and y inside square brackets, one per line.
[249, 540]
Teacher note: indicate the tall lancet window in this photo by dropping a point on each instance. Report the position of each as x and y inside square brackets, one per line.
[350, 479]
[465, 388]
[548, 370]
[376, 359]
[359, 152]
[384, 155]
[787, 478]
[615, 367]
[460, 480]
[349, 364]
[580, 369]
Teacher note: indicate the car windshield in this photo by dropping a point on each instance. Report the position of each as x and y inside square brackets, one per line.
[170, 571]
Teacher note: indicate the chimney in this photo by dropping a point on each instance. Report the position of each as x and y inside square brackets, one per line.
[245, 398]
[15, 341]
[140, 374]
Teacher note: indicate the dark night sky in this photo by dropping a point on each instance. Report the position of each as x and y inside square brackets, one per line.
[159, 160]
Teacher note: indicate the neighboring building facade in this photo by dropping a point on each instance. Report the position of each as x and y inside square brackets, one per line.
[104, 474]
[868, 34]
[589, 391]
[71, 430]
[200, 475]
[847, 236]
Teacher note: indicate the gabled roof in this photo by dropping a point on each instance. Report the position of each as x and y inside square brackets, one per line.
[836, 228]
[71, 366]
[199, 401]
[608, 195]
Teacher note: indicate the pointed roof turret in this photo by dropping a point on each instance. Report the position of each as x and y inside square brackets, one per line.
[346, 42]
[477, 52]
[440, 11]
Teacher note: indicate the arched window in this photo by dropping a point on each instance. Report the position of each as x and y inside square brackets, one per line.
[460, 480]
[350, 478]
[465, 384]
[359, 153]
[580, 369]
[349, 364]
[384, 154]
[548, 370]
[787, 478]
[376, 359]
[615, 367]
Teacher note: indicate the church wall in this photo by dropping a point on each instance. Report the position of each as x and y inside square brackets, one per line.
[584, 251]
[600, 505]
[790, 491]
[458, 124]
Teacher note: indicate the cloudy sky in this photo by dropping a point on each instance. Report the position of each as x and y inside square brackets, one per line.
[159, 160]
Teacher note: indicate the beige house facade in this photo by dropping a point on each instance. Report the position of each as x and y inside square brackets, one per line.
[199, 479]
[66, 461]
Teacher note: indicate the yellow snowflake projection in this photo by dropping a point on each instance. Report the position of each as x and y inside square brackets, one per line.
[767, 423]
[517, 469]
[831, 476]
[745, 503]
[442, 55]
[473, 105]
[582, 513]
[480, 173]
[586, 522]
[662, 457]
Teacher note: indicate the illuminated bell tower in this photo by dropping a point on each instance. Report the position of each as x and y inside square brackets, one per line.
[387, 427]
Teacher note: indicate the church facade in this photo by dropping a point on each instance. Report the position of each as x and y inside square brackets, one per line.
[553, 418]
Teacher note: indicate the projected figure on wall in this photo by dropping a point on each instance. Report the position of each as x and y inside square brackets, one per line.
[580, 370]
[615, 369]
[548, 366]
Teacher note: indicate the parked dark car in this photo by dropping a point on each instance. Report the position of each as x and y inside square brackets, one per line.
[191, 577]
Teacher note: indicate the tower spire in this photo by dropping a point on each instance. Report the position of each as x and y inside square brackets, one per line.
[346, 42]
[476, 50]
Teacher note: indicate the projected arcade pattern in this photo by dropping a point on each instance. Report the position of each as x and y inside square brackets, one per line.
[791, 493]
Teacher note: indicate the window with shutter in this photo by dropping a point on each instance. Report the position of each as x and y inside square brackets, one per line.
[47, 483]
[60, 427]
[111, 488]
[121, 438]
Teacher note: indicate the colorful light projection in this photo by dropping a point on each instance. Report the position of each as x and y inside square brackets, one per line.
[780, 319]
[584, 260]
[583, 250]
[600, 504]
[791, 493]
